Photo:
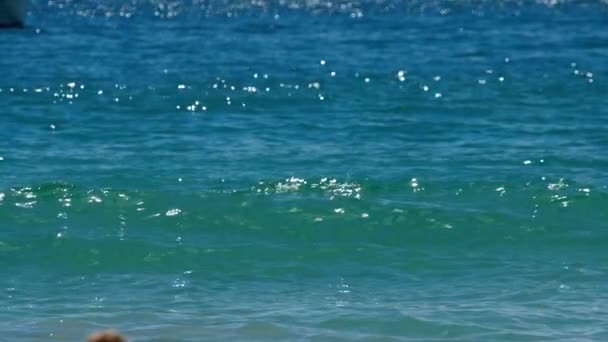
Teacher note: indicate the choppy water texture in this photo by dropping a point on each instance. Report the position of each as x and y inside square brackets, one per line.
[305, 170]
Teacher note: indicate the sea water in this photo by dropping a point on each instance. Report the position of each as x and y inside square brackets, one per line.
[305, 170]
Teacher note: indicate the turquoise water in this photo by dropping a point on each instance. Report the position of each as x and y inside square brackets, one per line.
[305, 170]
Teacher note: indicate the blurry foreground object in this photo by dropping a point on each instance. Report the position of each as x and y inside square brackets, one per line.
[12, 13]
[106, 336]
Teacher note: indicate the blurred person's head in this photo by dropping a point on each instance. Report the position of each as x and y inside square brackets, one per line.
[106, 336]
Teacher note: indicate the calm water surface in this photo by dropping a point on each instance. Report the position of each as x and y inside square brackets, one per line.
[305, 170]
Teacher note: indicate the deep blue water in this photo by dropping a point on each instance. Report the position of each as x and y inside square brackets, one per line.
[305, 170]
